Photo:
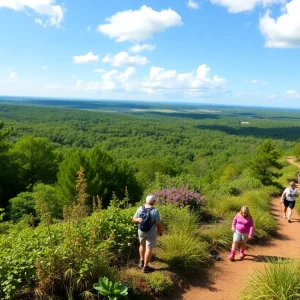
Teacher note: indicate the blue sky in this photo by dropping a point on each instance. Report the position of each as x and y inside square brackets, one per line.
[242, 52]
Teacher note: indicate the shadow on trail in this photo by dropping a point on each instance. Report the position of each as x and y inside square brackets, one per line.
[204, 281]
[263, 258]
[294, 220]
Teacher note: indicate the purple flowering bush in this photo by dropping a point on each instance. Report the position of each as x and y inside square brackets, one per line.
[183, 196]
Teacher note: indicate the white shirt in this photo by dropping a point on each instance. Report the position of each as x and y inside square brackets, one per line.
[290, 194]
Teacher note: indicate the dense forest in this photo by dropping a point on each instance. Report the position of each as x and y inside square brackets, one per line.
[131, 142]
[74, 172]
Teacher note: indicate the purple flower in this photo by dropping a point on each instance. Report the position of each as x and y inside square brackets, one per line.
[179, 196]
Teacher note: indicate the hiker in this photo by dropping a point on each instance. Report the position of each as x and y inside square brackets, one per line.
[288, 198]
[299, 177]
[148, 219]
[242, 226]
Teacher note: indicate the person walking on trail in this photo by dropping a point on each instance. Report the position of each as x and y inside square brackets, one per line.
[288, 198]
[148, 219]
[242, 226]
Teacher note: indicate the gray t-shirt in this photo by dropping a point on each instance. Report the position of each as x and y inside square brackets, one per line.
[155, 217]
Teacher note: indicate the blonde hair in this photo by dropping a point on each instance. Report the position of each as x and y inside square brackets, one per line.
[245, 208]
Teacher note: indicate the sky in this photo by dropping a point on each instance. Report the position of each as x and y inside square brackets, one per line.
[240, 52]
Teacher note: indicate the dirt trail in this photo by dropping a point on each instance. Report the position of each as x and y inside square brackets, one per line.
[227, 278]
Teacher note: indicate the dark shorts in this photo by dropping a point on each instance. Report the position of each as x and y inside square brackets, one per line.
[290, 204]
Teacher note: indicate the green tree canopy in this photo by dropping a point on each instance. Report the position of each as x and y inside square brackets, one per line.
[265, 162]
[103, 173]
[36, 159]
[9, 185]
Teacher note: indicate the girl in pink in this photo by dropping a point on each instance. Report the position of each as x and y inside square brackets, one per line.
[242, 226]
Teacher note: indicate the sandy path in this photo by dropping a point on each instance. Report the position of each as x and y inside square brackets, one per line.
[225, 280]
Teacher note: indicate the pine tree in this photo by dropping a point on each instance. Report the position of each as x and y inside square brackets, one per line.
[264, 162]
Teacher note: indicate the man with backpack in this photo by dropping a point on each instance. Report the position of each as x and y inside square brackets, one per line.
[148, 219]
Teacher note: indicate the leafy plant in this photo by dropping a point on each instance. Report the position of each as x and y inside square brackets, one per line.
[110, 289]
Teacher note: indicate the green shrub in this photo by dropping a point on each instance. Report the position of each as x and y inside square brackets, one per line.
[288, 173]
[218, 235]
[157, 283]
[264, 223]
[117, 228]
[136, 281]
[160, 282]
[21, 205]
[177, 220]
[238, 186]
[163, 181]
[227, 205]
[279, 280]
[257, 199]
[184, 253]
[69, 255]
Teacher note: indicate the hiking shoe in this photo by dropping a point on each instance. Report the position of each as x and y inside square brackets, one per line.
[242, 255]
[148, 269]
[289, 220]
[141, 264]
[284, 216]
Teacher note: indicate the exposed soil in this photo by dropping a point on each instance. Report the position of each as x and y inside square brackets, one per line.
[227, 279]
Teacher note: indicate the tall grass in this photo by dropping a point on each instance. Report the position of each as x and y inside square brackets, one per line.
[181, 247]
[288, 173]
[178, 220]
[279, 280]
[227, 205]
[218, 235]
[264, 224]
[184, 253]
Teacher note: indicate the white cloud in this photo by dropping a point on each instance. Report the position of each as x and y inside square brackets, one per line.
[86, 59]
[141, 48]
[52, 86]
[12, 75]
[159, 81]
[89, 28]
[193, 4]
[138, 25]
[285, 31]
[272, 96]
[99, 70]
[112, 80]
[262, 82]
[237, 6]
[44, 67]
[123, 59]
[38, 21]
[44, 8]
[292, 94]
[169, 81]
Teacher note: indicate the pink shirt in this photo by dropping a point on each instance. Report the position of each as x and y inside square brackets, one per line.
[243, 225]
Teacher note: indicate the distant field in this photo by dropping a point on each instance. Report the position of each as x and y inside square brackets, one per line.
[161, 108]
